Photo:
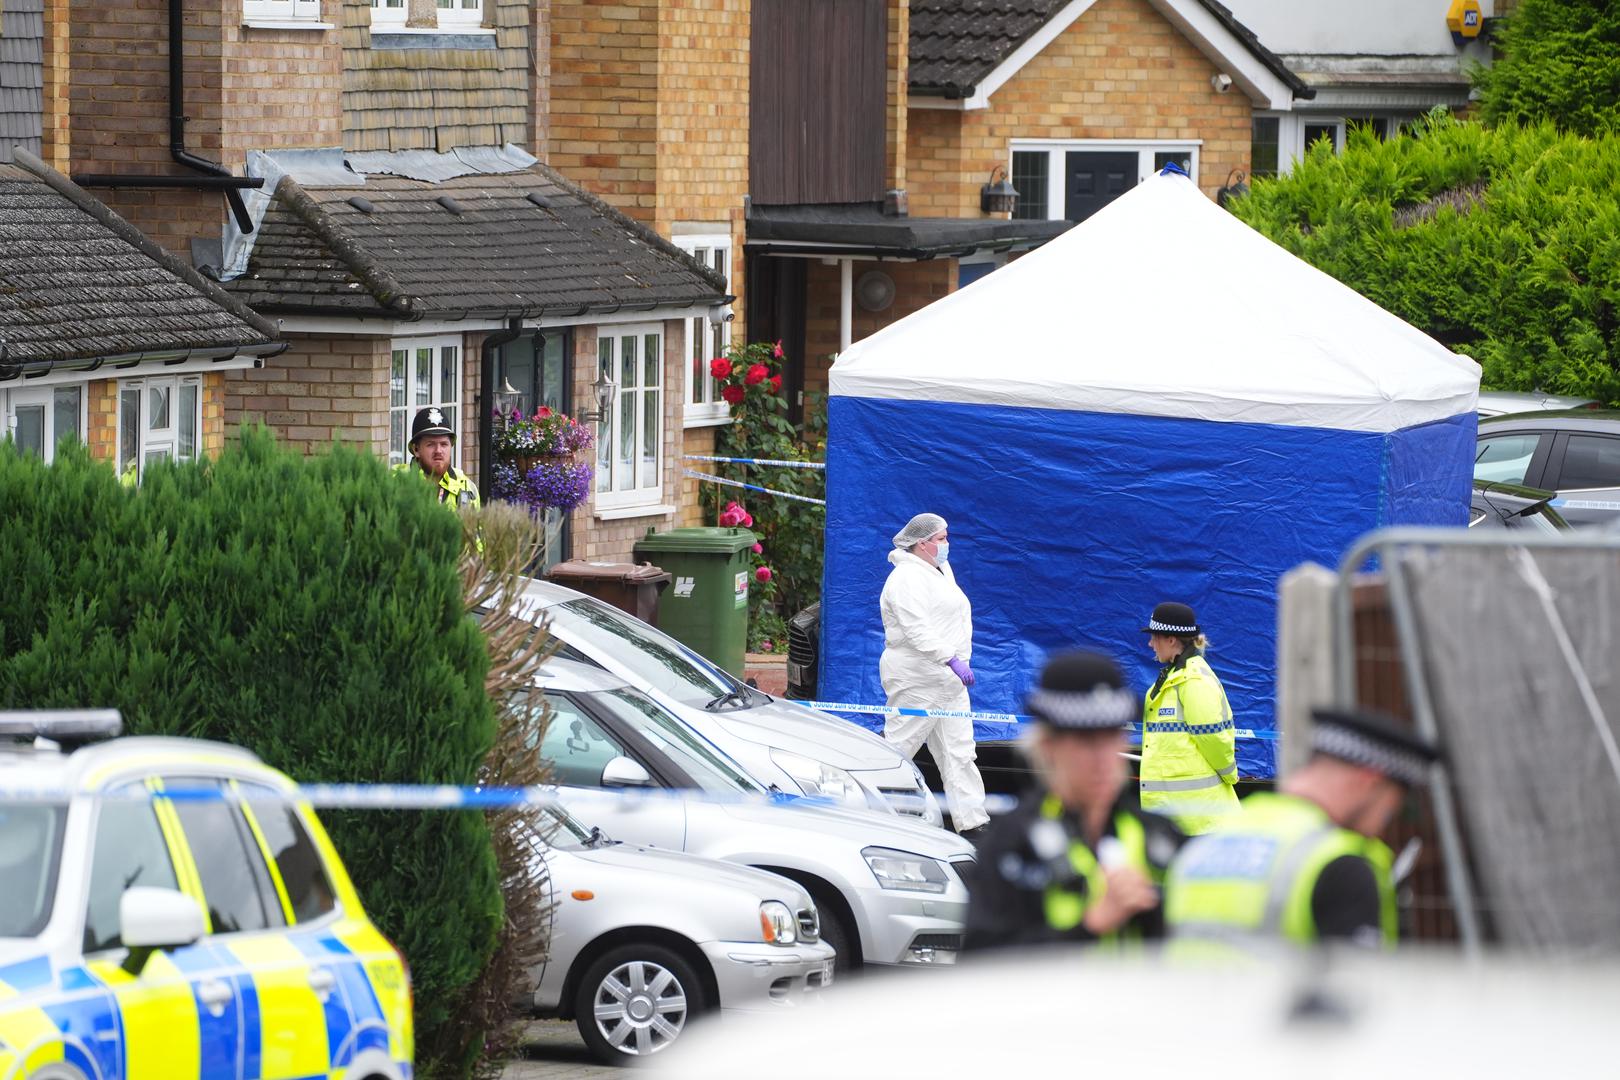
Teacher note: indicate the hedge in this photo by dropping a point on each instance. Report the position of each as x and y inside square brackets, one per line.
[308, 609]
[1501, 242]
[1560, 61]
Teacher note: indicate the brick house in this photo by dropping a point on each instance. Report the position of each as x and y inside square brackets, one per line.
[246, 134]
[104, 336]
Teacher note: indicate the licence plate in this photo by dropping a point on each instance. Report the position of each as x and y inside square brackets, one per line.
[826, 974]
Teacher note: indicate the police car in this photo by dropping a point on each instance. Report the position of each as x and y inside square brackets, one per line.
[168, 910]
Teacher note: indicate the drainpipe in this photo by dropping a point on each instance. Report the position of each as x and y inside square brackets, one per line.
[846, 303]
[486, 401]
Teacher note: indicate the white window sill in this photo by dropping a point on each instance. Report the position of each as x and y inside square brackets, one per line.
[287, 24]
[701, 416]
[401, 28]
[620, 513]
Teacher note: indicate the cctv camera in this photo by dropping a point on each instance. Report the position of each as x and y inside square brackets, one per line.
[721, 314]
[1221, 81]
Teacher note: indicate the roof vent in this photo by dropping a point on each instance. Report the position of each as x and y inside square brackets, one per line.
[539, 200]
[450, 204]
[363, 205]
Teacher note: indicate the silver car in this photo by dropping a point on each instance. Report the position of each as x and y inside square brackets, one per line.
[645, 941]
[780, 744]
[1501, 402]
[889, 889]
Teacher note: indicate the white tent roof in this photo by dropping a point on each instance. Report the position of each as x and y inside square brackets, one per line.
[1164, 304]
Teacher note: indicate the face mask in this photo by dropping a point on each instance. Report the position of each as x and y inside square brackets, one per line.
[943, 554]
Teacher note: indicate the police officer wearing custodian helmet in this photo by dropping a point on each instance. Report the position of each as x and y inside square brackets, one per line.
[433, 446]
[1080, 861]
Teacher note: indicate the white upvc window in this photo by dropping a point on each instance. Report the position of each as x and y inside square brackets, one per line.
[1040, 167]
[423, 372]
[1280, 140]
[630, 441]
[281, 10]
[705, 340]
[158, 419]
[37, 418]
[391, 15]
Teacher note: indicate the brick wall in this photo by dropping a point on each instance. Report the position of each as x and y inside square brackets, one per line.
[895, 110]
[1120, 72]
[57, 135]
[916, 285]
[322, 389]
[101, 406]
[604, 100]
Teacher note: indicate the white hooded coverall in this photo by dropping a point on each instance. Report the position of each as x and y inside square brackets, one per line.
[927, 620]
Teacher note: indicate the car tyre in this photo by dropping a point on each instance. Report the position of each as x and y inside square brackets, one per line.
[841, 937]
[634, 1001]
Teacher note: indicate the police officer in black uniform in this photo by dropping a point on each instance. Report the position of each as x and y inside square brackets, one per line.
[1080, 861]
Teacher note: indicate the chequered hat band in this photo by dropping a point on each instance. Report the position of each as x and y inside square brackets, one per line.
[1352, 746]
[1100, 707]
[1170, 628]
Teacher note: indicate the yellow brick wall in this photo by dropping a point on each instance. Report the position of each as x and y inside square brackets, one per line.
[916, 285]
[102, 407]
[321, 390]
[899, 21]
[58, 118]
[1120, 72]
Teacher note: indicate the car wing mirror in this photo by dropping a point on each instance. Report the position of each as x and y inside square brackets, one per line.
[150, 919]
[625, 772]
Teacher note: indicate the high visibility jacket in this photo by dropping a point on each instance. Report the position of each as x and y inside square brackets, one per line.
[1253, 878]
[1189, 753]
[455, 486]
[1067, 901]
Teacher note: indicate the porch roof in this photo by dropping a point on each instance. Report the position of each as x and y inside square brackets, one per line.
[864, 229]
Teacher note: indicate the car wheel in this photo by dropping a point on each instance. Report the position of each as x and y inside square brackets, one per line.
[634, 1001]
[840, 937]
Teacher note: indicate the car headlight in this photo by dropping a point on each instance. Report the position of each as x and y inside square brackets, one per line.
[905, 871]
[777, 923]
[819, 779]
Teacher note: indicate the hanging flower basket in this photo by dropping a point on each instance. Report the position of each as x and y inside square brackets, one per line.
[538, 462]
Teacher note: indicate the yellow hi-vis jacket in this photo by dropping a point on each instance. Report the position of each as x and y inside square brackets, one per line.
[1252, 879]
[455, 486]
[1066, 906]
[1189, 752]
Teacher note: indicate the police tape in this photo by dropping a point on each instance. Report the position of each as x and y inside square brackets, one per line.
[756, 461]
[752, 487]
[984, 717]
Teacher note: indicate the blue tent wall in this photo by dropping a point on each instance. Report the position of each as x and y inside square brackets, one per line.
[1067, 527]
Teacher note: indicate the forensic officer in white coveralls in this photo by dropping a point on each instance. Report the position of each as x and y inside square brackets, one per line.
[927, 647]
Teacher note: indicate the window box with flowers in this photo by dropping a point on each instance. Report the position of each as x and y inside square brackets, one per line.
[537, 463]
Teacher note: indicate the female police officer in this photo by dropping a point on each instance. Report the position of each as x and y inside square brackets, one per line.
[1189, 762]
[1079, 861]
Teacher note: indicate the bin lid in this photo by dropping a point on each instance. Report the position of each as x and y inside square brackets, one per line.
[581, 570]
[703, 539]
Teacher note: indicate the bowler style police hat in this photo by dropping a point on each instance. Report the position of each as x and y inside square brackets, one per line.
[1174, 619]
[1373, 740]
[430, 421]
[1082, 691]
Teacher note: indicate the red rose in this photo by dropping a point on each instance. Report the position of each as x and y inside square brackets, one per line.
[719, 368]
[733, 394]
[763, 574]
[776, 384]
[756, 374]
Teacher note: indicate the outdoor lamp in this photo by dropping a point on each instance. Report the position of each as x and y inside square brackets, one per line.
[998, 198]
[604, 388]
[507, 401]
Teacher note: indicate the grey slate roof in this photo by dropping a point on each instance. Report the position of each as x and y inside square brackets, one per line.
[956, 43]
[502, 255]
[22, 75]
[78, 283]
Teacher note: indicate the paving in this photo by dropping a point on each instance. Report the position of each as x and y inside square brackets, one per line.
[769, 671]
[553, 1050]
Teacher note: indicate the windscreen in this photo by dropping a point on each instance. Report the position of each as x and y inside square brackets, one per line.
[711, 770]
[653, 657]
[30, 848]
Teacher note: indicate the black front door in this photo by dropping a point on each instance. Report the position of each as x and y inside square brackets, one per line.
[1095, 178]
[538, 367]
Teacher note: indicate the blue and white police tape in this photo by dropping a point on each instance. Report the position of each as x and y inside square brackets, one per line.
[752, 487]
[757, 461]
[986, 718]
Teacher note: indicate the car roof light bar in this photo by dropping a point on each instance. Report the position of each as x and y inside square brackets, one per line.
[61, 724]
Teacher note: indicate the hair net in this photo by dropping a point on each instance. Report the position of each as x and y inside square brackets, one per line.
[919, 529]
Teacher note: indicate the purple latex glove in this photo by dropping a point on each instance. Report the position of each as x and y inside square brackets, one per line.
[963, 672]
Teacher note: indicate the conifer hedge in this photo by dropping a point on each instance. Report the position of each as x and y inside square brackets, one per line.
[308, 609]
[1502, 242]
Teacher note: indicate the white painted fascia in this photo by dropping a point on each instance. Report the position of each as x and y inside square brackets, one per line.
[393, 328]
[1225, 49]
[62, 375]
[1026, 52]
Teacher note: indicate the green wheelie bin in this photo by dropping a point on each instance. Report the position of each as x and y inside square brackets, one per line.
[706, 606]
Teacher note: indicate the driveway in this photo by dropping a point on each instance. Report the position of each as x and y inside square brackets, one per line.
[553, 1050]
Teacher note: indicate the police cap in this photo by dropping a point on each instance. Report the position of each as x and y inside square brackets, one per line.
[1082, 691]
[430, 421]
[1373, 740]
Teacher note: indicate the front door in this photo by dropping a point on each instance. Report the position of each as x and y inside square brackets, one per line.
[1095, 178]
[537, 367]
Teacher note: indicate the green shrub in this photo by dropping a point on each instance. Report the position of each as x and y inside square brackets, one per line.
[308, 609]
[1502, 242]
[1559, 61]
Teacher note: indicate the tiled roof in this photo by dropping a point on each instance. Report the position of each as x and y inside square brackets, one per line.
[955, 44]
[22, 75]
[494, 251]
[79, 283]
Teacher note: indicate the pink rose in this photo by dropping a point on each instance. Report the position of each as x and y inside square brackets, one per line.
[766, 646]
[729, 520]
[747, 520]
[777, 351]
[763, 574]
[759, 549]
[542, 413]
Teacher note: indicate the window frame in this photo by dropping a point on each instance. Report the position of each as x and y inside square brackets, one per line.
[281, 11]
[1057, 170]
[105, 809]
[45, 395]
[702, 405]
[1291, 127]
[1562, 486]
[458, 16]
[384, 18]
[399, 434]
[145, 443]
[260, 882]
[636, 495]
[457, 19]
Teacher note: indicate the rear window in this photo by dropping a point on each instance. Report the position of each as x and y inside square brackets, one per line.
[1505, 458]
[30, 848]
[1590, 461]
